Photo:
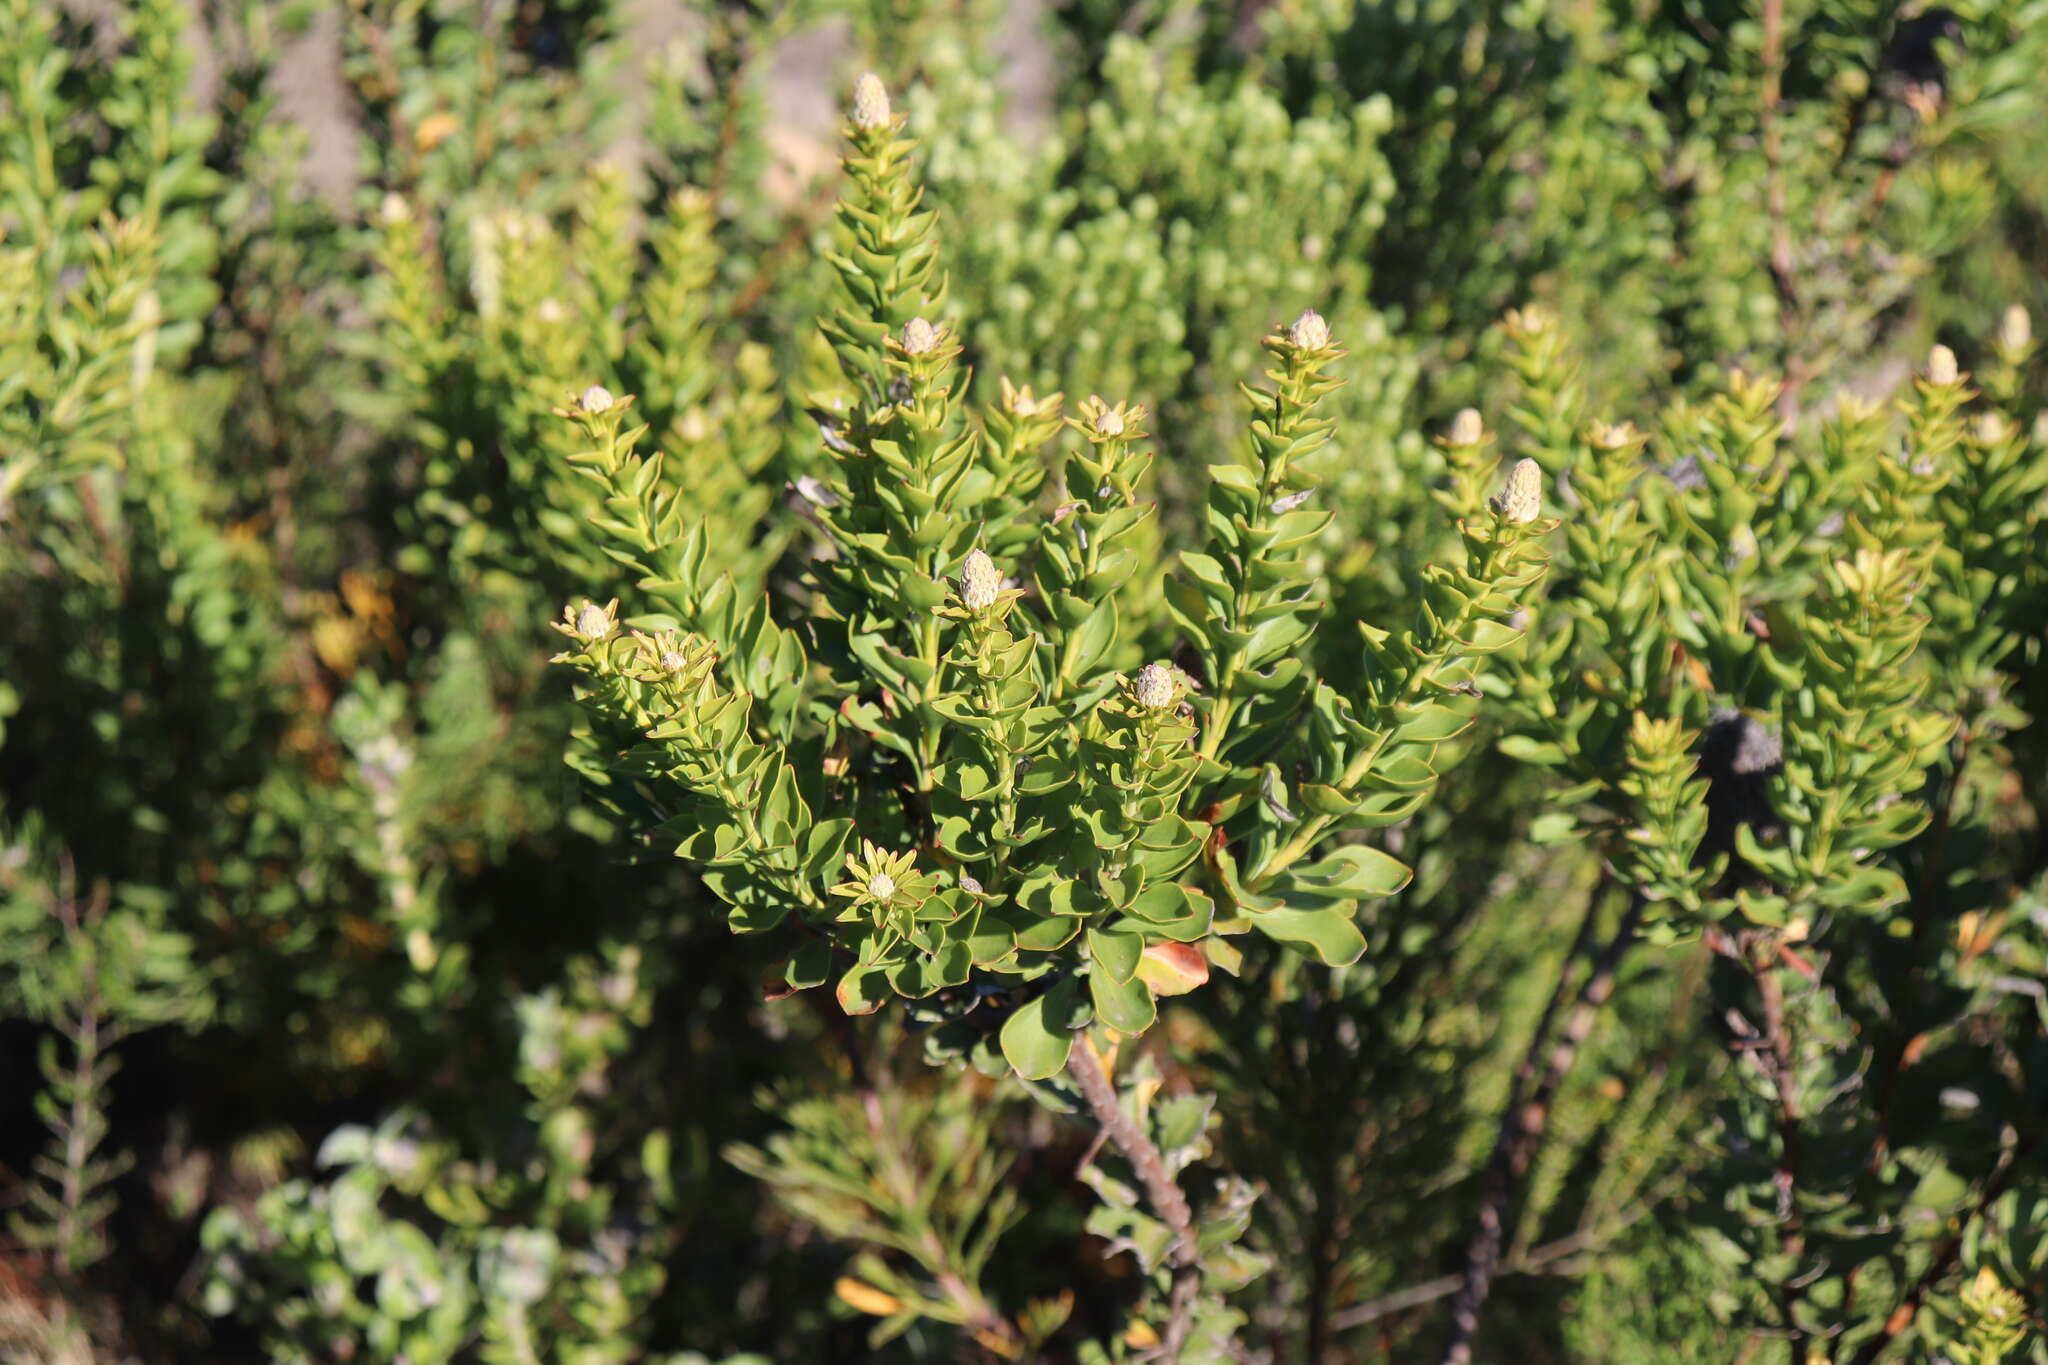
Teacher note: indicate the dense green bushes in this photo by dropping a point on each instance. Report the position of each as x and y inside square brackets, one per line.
[1496, 815]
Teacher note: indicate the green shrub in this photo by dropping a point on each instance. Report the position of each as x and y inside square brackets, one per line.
[1072, 817]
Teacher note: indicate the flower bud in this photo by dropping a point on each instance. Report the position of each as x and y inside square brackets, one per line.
[597, 398]
[919, 337]
[881, 886]
[1154, 687]
[394, 209]
[1941, 366]
[870, 102]
[594, 622]
[1608, 436]
[979, 582]
[1467, 428]
[1520, 500]
[1109, 422]
[2015, 328]
[1992, 429]
[1309, 332]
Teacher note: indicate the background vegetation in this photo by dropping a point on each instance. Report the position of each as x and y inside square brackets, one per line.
[352, 1005]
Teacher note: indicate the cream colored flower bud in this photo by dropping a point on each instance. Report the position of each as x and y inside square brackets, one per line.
[919, 337]
[1608, 436]
[394, 208]
[881, 886]
[1467, 428]
[2015, 328]
[1992, 429]
[1309, 332]
[979, 582]
[1941, 366]
[596, 398]
[1520, 500]
[1154, 687]
[594, 622]
[1109, 422]
[870, 102]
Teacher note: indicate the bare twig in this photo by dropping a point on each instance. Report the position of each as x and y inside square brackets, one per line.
[1520, 1131]
[1551, 1258]
[1092, 1076]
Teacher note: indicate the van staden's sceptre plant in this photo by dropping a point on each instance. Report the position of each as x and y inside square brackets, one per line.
[956, 780]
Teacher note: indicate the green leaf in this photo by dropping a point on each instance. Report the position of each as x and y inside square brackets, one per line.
[1125, 1006]
[1038, 1036]
[1115, 953]
[1355, 870]
[1329, 934]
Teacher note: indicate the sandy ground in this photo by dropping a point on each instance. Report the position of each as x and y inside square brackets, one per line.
[804, 75]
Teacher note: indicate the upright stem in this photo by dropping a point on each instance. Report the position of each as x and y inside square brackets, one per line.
[1167, 1200]
[1521, 1129]
[1791, 1235]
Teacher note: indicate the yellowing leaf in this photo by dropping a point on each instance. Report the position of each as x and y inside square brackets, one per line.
[434, 130]
[865, 1298]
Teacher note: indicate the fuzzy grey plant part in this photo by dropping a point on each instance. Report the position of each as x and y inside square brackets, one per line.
[1738, 756]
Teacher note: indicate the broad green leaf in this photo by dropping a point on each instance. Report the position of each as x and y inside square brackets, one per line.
[1038, 1036]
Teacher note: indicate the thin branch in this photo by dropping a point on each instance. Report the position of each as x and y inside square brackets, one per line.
[1092, 1076]
[1521, 1129]
[1777, 1040]
[1552, 1258]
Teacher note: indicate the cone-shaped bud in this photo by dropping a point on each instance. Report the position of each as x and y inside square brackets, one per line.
[1992, 429]
[979, 582]
[881, 886]
[594, 622]
[2015, 328]
[919, 337]
[1467, 428]
[1154, 687]
[1520, 500]
[870, 102]
[1608, 436]
[1941, 366]
[596, 398]
[1109, 422]
[1309, 332]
